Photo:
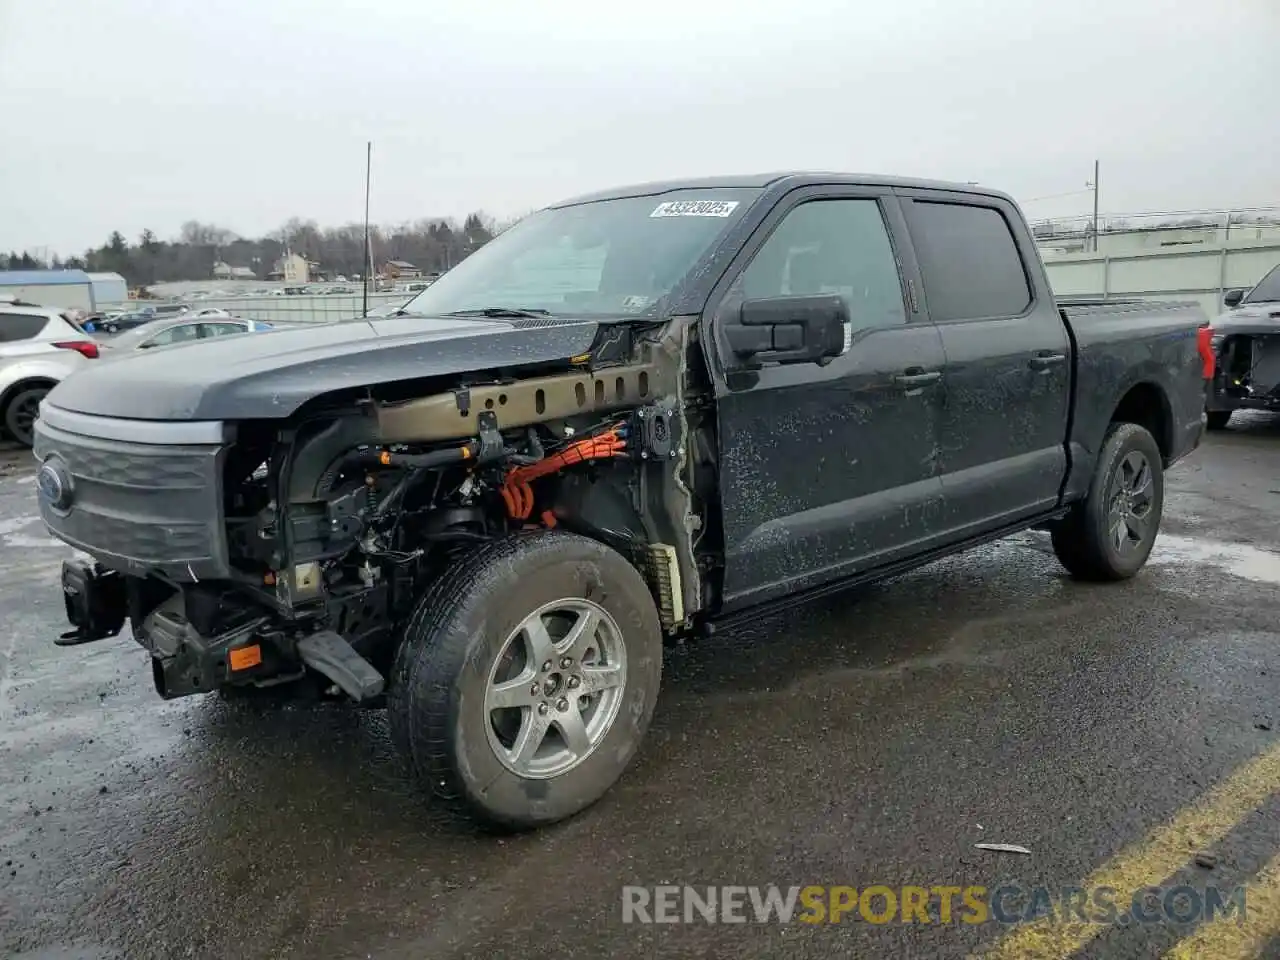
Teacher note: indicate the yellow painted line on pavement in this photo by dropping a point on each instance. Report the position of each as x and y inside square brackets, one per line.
[1164, 851]
[1228, 940]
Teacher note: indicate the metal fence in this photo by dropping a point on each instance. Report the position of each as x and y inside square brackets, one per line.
[1203, 226]
[1185, 272]
[283, 308]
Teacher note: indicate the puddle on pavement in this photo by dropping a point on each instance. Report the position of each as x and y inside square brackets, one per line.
[1238, 559]
[26, 532]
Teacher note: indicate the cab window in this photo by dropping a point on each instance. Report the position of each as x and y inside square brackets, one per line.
[837, 247]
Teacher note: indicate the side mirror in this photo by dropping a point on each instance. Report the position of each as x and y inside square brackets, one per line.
[1232, 298]
[790, 330]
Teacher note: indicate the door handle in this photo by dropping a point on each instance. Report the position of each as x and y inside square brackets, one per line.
[917, 377]
[1044, 359]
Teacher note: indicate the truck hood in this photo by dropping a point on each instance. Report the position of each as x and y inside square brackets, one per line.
[1251, 318]
[270, 375]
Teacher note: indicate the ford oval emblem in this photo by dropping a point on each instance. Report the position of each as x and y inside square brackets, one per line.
[54, 485]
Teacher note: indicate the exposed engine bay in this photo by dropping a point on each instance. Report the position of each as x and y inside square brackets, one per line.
[337, 520]
[1250, 365]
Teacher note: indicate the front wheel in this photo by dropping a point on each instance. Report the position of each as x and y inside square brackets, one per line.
[527, 678]
[1109, 534]
[21, 413]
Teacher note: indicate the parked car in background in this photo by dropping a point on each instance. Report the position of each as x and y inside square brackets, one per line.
[119, 322]
[160, 333]
[387, 309]
[1246, 348]
[39, 348]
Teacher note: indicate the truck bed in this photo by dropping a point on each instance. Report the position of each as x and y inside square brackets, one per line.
[1120, 344]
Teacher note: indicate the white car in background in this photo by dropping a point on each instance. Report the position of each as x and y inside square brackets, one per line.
[39, 348]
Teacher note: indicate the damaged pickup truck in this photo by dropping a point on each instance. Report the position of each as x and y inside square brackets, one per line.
[1246, 349]
[631, 417]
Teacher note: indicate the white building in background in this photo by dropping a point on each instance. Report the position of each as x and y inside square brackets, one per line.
[109, 289]
[292, 268]
[57, 289]
[64, 289]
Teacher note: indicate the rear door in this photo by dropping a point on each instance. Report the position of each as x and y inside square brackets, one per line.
[1008, 373]
[826, 471]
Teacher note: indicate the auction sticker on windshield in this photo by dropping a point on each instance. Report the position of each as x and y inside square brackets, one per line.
[695, 208]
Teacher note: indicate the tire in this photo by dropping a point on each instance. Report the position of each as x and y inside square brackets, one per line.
[1085, 540]
[20, 414]
[466, 636]
[1217, 419]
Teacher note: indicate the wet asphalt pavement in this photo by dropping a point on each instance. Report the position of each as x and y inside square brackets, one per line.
[873, 739]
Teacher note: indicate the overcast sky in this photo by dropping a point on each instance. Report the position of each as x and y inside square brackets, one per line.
[127, 114]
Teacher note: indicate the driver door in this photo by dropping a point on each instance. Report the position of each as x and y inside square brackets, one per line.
[827, 471]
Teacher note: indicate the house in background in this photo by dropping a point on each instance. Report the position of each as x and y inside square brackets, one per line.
[400, 270]
[223, 271]
[292, 268]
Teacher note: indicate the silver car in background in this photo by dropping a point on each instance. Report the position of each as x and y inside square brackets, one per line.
[186, 329]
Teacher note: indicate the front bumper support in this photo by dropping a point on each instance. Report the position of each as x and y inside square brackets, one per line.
[96, 602]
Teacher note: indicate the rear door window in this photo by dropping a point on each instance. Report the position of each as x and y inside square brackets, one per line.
[179, 334]
[221, 329]
[970, 261]
[15, 327]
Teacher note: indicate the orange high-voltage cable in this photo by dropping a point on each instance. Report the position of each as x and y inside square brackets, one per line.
[517, 494]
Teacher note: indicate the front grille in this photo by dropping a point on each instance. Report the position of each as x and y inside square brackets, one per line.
[140, 508]
[119, 467]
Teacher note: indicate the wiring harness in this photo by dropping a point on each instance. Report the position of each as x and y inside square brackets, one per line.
[517, 493]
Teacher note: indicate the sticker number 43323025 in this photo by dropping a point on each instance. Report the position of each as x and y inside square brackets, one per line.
[695, 208]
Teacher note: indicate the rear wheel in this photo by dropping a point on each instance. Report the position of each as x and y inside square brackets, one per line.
[21, 413]
[1109, 535]
[527, 678]
[1217, 419]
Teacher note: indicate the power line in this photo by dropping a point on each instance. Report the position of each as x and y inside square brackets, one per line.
[1057, 196]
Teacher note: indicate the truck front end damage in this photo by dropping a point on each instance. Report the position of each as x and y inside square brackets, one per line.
[262, 552]
[1246, 347]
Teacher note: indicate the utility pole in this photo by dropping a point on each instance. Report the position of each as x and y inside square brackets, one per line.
[1094, 185]
[368, 248]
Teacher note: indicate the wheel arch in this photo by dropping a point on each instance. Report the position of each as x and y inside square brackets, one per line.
[1147, 405]
[17, 387]
[25, 383]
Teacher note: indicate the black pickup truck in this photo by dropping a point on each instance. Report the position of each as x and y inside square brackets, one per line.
[631, 417]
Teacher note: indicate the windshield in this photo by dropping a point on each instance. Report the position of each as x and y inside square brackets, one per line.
[607, 257]
[1268, 288]
[132, 338]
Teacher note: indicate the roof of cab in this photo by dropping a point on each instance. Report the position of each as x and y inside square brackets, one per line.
[779, 182]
